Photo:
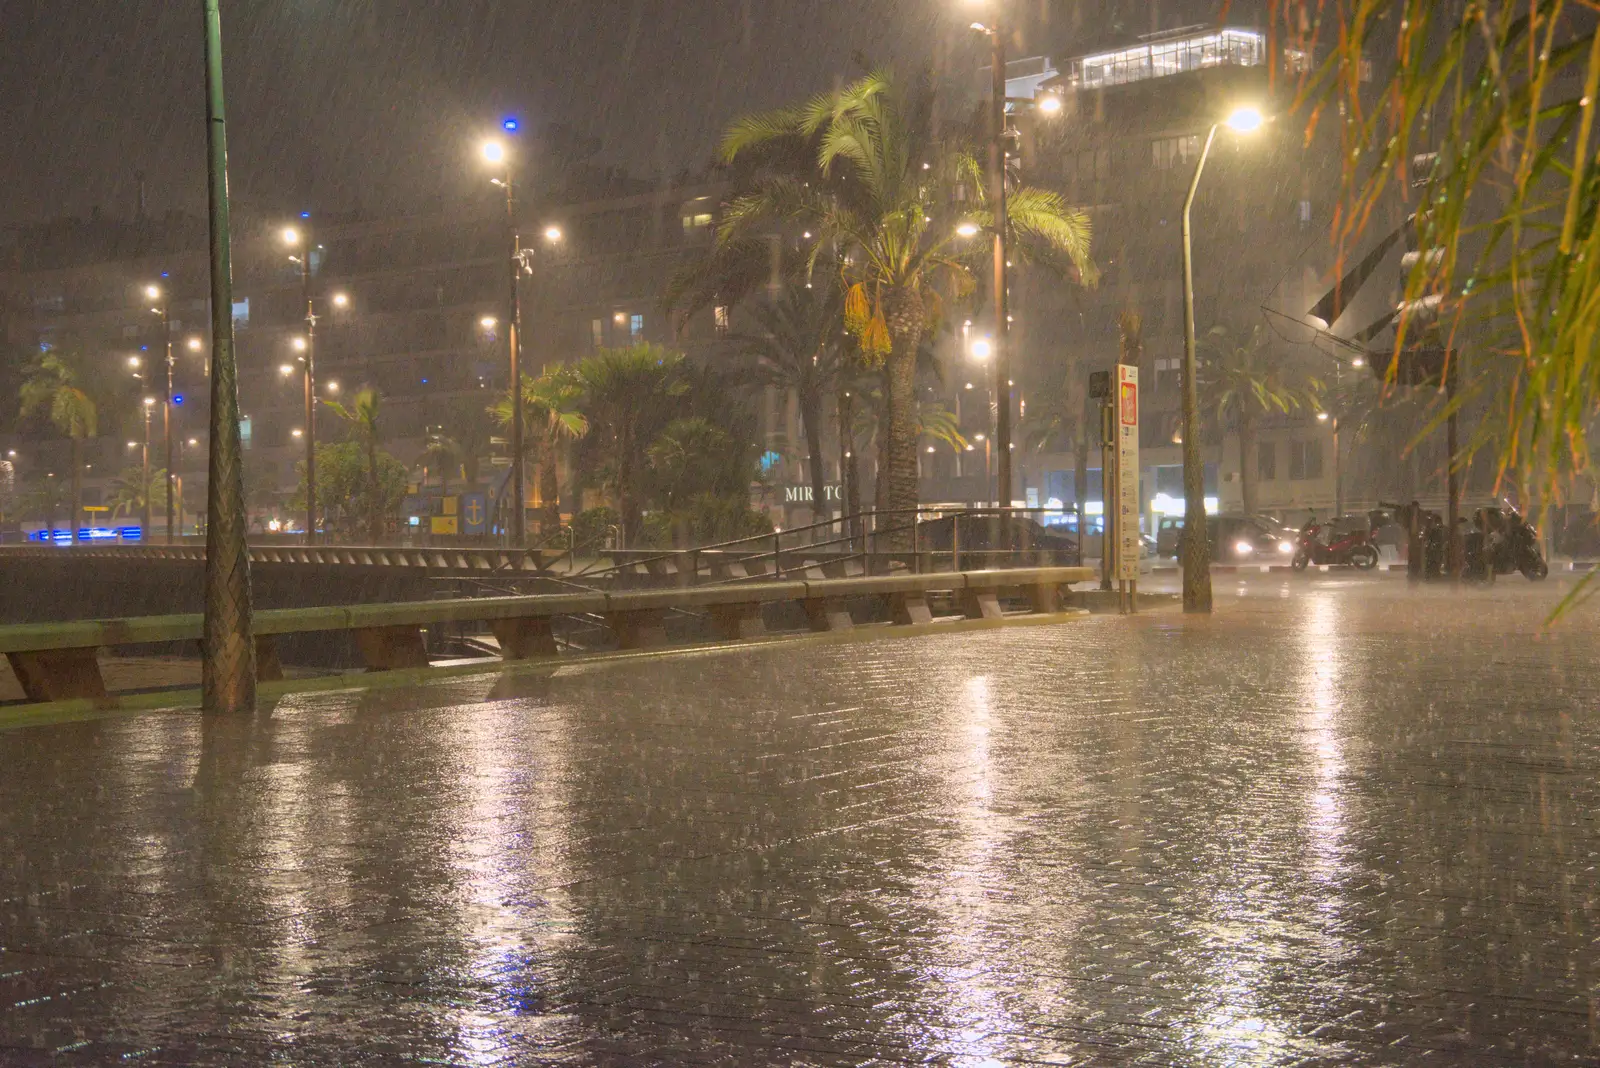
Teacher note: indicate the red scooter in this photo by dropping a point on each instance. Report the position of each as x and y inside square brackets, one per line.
[1354, 549]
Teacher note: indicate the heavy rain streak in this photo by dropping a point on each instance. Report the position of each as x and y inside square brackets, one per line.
[978, 532]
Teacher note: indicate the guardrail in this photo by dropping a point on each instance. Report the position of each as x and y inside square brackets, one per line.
[681, 566]
[58, 661]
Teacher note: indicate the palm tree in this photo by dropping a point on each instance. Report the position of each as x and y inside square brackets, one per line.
[130, 493]
[51, 388]
[883, 193]
[801, 347]
[441, 454]
[1243, 379]
[361, 416]
[550, 409]
[471, 427]
[1060, 417]
[625, 398]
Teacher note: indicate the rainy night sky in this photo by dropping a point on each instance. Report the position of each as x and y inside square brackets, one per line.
[376, 104]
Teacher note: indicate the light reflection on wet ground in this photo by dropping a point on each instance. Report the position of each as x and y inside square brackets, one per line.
[1340, 822]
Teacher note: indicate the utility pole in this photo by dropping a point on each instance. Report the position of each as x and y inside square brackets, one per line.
[144, 518]
[1002, 322]
[228, 652]
[310, 389]
[517, 529]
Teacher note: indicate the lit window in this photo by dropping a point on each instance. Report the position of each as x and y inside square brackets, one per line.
[636, 325]
[720, 314]
[241, 312]
[597, 332]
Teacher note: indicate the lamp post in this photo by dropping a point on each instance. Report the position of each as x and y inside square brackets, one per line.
[497, 153]
[154, 293]
[997, 203]
[982, 350]
[298, 238]
[1196, 551]
[228, 652]
[144, 517]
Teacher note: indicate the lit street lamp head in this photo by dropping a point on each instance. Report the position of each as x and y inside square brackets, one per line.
[195, 344]
[133, 361]
[1049, 104]
[153, 292]
[488, 322]
[552, 234]
[967, 229]
[1245, 120]
[494, 151]
[341, 300]
[286, 369]
[291, 236]
[299, 344]
[149, 402]
[981, 349]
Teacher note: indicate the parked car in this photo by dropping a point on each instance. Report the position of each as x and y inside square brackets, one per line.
[978, 535]
[1233, 539]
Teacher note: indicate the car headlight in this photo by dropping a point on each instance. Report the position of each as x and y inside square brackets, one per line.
[1243, 548]
[1286, 546]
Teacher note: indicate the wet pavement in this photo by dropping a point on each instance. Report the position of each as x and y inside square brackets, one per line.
[1339, 822]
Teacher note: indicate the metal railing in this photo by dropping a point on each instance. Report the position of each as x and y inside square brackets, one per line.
[59, 661]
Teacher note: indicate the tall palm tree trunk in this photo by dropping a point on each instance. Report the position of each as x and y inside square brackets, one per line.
[374, 495]
[1080, 480]
[77, 485]
[811, 417]
[549, 491]
[905, 317]
[849, 462]
[1247, 474]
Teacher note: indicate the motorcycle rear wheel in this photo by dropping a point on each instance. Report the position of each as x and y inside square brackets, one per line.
[1300, 561]
[1364, 557]
[1535, 571]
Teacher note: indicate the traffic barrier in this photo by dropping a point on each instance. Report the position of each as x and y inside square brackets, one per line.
[57, 661]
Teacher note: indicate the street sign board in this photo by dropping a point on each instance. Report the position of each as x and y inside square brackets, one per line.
[474, 513]
[1127, 558]
[443, 524]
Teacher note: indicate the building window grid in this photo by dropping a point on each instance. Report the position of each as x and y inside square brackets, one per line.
[1241, 48]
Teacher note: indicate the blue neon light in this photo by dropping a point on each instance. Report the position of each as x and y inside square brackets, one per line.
[305, 215]
[511, 125]
[177, 398]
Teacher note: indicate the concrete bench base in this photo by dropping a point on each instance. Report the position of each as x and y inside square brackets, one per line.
[521, 638]
[638, 628]
[391, 647]
[59, 674]
[732, 622]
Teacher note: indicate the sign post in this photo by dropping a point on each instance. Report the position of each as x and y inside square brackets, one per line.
[1127, 496]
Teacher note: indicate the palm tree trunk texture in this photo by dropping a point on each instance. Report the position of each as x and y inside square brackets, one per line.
[901, 440]
[904, 316]
[1080, 479]
[811, 416]
[77, 485]
[1247, 475]
[849, 463]
[375, 500]
[880, 474]
[549, 493]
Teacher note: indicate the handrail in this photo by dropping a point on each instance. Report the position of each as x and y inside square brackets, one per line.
[54, 661]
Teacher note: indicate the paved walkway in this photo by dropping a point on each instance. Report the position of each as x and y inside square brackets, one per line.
[1339, 822]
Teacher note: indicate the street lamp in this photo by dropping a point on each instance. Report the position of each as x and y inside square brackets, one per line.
[155, 294]
[1196, 552]
[997, 205]
[495, 153]
[982, 350]
[305, 344]
[144, 508]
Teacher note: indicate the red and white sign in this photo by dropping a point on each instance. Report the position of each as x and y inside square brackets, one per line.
[1127, 496]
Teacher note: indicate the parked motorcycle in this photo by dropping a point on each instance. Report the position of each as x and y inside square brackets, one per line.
[1353, 549]
[1500, 542]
